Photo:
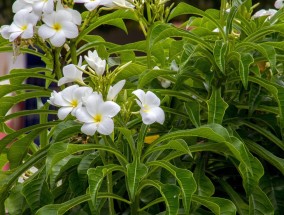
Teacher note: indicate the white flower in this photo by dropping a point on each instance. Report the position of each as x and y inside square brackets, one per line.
[70, 99]
[76, 15]
[122, 3]
[4, 31]
[115, 89]
[95, 62]
[22, 4]
[58, 26]
[71, 74]
[278, 4]
[43, 6]
[89, 4]
[150, 110]
[165, 83]
[97, 115]
[269, 13]
[22, 25]
[174, 66]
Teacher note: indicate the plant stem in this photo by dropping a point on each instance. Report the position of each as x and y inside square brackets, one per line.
[135, 206]
[57, 64]
[73, 52]
[109, 180]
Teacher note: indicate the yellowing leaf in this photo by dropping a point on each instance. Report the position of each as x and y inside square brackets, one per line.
[151, 139]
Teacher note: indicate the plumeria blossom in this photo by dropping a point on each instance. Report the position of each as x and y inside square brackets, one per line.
[97, 115]
[35, 6]
[150, 110]
[118, 3]
[69, 100]
[76, 15]
[4, 31]
[23, 25]
[71, 74]
[115, 89]
[58, 26]
[89, 4]
[269, 13]
[22, 4]
[165, 83]
[278, 4]
[95, 62]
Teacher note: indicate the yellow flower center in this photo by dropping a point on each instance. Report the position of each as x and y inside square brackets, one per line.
[98, 118]
[57, 27]
[146, 108]
[24, 27]
[74, 103]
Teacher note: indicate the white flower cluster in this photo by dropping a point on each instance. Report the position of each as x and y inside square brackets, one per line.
[270, 12]
[89, 107]
[93, 4]
[59, 22]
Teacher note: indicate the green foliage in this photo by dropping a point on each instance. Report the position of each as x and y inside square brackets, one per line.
[219, 150]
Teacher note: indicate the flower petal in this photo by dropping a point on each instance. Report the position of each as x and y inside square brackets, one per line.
[106, 126]
[68, 93]
[140, 95]
[83, 116]
[63, 112]
[70, 29]
[93, 102]
[115, 89]
[151, 99]
[46, 32]
[89, 128]
[109, 109]
[58, 39]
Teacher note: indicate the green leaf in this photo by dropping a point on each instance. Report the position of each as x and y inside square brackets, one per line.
[245, 61]
[149, 75]
[272, 186]
[219, 206]
[266, 155]
[278, 93]
[60, 209]
[171, 193]
[216, 107]
[66, 129]
[204, 185]
[20, 147]
[184, 178]
[259, 203]
[177, 145]
[242, 206]
[193, 110]
[37, 192]
[183, 8]
[16, 203]
[11, 137]
[96, 177]
[108, 19]
[136, 171]
[220, 54]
